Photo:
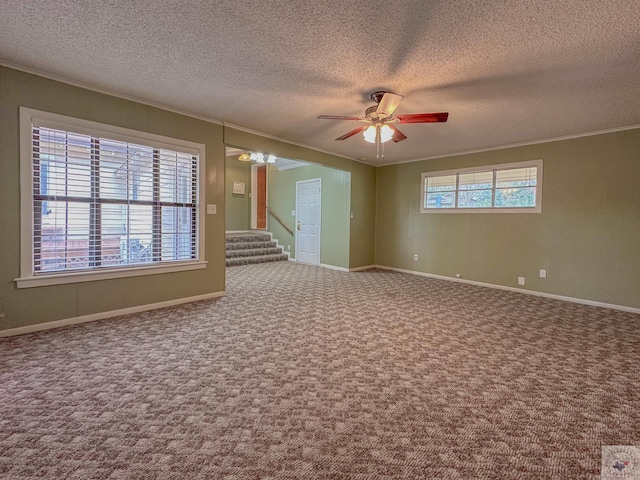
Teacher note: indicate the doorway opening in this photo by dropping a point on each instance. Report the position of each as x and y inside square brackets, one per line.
[303, 207]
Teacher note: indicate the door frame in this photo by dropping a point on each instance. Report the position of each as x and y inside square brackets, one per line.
[319, 180]
[254, 195]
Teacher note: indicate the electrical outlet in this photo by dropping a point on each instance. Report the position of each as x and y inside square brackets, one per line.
[520, 280]
[458, 275]
[543, 274]
[211, 209]
[353, 215]
[293, 213]
[415, 257]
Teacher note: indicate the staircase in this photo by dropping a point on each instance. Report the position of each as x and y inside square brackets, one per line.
[252, 247]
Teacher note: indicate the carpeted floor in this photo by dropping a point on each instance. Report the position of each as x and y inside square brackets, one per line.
[304, 372]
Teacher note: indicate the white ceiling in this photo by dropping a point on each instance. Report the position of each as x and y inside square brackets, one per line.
[507, 72]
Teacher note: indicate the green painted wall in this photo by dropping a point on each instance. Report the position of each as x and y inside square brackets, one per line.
[237, 207]
[41, 304]
[363, 187]
[29, 306]
[336, 194]
[587, 236]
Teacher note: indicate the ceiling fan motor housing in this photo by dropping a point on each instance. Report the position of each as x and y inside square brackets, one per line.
[370, 110]
[377, 96]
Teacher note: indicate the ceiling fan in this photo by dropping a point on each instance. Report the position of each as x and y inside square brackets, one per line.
[380, 124]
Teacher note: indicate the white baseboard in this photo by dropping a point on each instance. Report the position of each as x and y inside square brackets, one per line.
[102, 315]
[322, 265]
[333, 267]
[581, 301]
[360, 269]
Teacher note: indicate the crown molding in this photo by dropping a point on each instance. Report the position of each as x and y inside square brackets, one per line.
[106, 91]
[87, 86]
[521, 144]
[113, 93]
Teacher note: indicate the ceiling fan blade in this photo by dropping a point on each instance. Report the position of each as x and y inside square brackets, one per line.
[337, 117]
[352, 133]
[423, 117]
[389, 103]
[398, 136]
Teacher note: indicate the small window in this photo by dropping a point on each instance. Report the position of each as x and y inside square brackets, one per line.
[99, 199]
[498, 188]
[441, 192]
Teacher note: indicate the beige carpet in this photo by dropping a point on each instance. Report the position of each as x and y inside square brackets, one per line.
[303, 372]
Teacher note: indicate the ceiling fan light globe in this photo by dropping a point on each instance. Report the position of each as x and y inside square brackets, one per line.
[386, 133]
[244, 157]
[271, 159]
[370, 134]
[259, 157]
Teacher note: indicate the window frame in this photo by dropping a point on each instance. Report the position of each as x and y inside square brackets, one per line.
[480, 169]
[28, 277]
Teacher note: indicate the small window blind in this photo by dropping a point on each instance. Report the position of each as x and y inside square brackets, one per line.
[105, 203]
[511, 187]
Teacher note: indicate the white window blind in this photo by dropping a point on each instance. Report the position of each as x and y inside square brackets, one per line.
[508, 187]
[107, 203]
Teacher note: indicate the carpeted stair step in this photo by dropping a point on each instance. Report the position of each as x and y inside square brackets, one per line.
[247, 237]
[249, 245]
[256, 259]
[254, 252]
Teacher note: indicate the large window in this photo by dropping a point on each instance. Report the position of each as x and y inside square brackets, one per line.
[103, 199]
[511, 187]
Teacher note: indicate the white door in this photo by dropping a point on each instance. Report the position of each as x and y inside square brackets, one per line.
[308, 197]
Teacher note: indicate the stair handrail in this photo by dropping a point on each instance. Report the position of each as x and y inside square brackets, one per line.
[282, 222]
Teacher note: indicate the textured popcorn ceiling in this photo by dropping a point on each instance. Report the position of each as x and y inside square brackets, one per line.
[507, 71]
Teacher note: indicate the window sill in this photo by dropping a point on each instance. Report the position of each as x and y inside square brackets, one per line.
[90, 276]
[537, 209]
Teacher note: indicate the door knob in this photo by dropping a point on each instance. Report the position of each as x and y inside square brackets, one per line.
[298, 225]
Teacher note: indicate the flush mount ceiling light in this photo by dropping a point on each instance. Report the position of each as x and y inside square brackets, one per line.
[260, 157]
[244, 157]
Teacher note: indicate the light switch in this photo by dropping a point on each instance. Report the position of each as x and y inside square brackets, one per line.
[211, 209]
[293, 213]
